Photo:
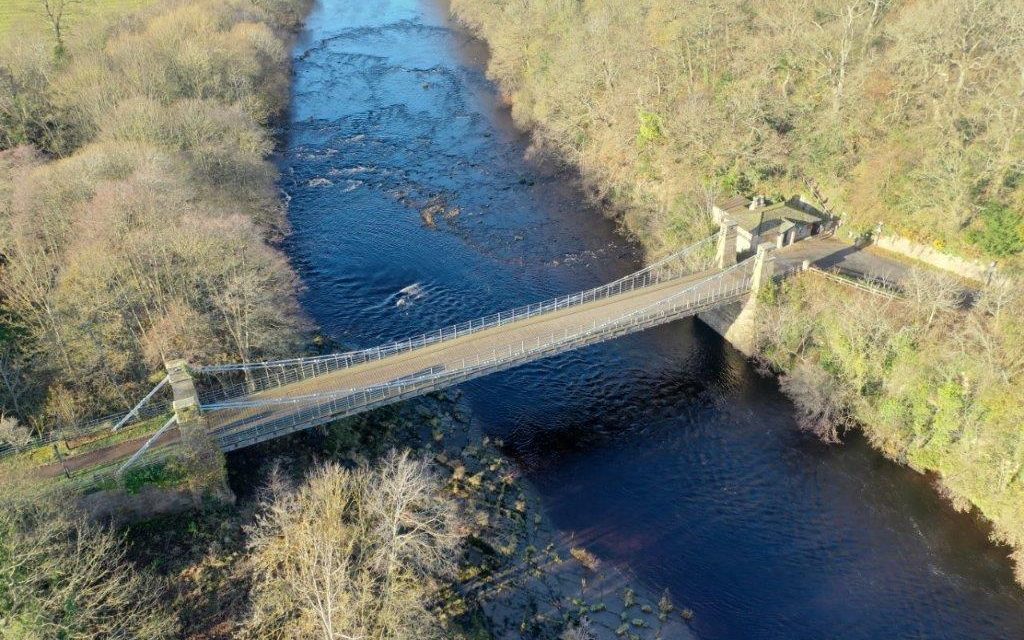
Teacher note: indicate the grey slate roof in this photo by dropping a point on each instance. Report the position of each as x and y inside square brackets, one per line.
[773, 218]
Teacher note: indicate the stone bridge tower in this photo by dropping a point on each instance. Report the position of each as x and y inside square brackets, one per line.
[201, 457]
[736, 322]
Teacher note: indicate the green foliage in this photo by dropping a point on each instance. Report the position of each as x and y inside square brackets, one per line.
[650, 130]
[942, 398]
[736, 181]
[1002, 231]
[164, 474]
[938, 425]
[769, 294]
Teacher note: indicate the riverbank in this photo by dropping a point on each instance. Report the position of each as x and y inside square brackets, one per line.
[933, 388]
[517, 575]
[139, 206]
[643, 129]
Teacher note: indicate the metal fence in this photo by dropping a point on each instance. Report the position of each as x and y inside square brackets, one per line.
[96, 427]
[870, 284]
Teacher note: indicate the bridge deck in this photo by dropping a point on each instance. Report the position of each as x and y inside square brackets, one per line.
[452, 354]
[255, 417]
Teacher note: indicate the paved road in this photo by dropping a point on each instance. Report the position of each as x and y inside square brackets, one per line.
[830, 253]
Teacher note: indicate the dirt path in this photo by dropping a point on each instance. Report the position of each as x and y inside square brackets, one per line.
[106, 455]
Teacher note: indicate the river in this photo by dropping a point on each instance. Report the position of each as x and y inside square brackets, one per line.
[666, 453]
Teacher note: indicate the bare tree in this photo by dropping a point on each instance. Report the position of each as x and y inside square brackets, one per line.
[16, 383]
[838, 56]
[66, 578]
[352, 554]
[57, 12]
[1001, 295]
[932, 292]
[993, 327]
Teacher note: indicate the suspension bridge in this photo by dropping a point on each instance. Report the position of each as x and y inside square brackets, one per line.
[240, 405]
[245, 404]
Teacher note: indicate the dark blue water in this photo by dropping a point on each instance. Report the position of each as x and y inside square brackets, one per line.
[666, 452]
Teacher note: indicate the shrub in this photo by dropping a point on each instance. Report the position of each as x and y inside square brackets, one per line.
[823, 401]
[63, 577]
[13, 433]
[1001, 233]
[163, 474]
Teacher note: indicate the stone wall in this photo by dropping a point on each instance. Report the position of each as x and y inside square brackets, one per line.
[970, 269]
[736, 323]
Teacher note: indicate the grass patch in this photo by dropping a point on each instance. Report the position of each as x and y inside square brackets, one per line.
[163, 474]
[45, 454]
[157, 467]
[27, 18]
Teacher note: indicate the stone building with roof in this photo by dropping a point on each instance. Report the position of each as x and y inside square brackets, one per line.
[759, 221]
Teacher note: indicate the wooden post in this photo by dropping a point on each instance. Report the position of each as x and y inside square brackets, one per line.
[63, 466]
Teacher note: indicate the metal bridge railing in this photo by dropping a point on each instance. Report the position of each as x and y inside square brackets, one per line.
[94, 427]
[313, 409]
[142, 404]
[870, 284]
[254, 377]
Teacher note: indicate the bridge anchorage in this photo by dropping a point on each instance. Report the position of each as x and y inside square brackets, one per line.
[244, 404]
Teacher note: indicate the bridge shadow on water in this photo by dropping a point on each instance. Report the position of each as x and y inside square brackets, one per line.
[590, 414]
